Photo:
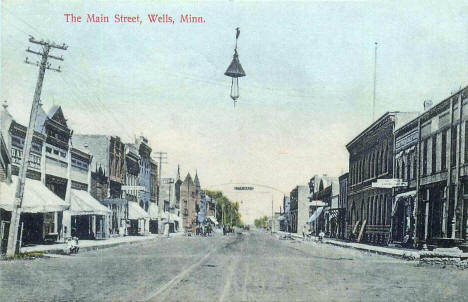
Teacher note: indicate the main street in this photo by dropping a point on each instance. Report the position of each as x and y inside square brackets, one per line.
[252, 266]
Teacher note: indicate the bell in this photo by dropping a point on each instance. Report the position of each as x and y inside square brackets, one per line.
[235, 69]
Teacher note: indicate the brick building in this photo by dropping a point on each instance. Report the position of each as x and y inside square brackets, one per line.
[371, 158]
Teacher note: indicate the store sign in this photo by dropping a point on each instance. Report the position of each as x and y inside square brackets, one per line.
[133, 188]
[389, 183]
[244, 188]
[404, 141]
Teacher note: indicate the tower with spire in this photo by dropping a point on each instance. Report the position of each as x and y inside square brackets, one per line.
[177, 185]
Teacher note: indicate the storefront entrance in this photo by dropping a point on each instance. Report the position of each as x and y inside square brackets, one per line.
[81, 227]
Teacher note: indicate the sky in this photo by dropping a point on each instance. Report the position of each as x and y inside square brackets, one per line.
[308, 89]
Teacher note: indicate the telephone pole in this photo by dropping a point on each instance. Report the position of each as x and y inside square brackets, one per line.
[160, 156]
[47, 46]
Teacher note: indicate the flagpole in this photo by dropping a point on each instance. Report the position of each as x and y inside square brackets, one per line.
[375, 81]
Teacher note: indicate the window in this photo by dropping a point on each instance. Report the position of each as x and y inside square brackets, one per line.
[403, 169]
[424, 171]
[49, 220]
[434, 154]
[415, 167]
[377, 161]
[466, 142]
[453, 146]
[443, 153]
[397, 172]
[48, 149]
[384, 207]
[408, 168]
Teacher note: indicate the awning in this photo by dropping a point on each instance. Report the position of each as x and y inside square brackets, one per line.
[317, 203]
[135, 212]
[82, 203]
[401, 196]
[315, 215]
[37, 198]
[153, 211]
[213, 219]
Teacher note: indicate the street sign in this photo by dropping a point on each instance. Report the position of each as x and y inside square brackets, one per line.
[243, 188]
[132, 188]
[389, 183]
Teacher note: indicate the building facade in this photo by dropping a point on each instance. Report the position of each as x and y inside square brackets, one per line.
[107, 176]
[370, 159]
[343, 205]
[431, 155]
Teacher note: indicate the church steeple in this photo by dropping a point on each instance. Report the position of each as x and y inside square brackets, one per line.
[196, 180]
[178, 172]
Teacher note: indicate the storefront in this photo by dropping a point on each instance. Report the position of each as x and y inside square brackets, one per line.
[119, 214]
[41, 211]
[153, 223]
[88, 218]
[138, 220]
[403, 218]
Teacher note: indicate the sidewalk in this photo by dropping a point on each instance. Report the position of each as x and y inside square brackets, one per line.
[87, 245]
[383, 250]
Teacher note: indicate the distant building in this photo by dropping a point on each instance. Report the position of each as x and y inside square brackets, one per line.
[189, 196]
[343, 205]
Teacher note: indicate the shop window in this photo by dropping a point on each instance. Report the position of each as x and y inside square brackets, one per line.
[49, 223]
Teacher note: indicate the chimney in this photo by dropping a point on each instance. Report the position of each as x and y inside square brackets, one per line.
[427, 105]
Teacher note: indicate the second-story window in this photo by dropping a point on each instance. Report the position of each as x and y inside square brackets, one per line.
[443, 153]
[424, 171]
[434, 154]
[453, 146]
[466, 142]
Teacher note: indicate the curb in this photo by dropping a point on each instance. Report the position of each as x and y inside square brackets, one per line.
[99, 247]
[409, 255]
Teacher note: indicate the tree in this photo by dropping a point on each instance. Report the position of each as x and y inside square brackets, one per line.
[261, 222]
[227, 212]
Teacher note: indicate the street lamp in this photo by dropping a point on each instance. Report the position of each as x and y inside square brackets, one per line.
[235, 71]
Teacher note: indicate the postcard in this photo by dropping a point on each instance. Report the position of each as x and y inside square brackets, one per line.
[233, 150]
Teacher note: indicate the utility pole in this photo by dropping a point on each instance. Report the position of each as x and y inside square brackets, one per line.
[272, 218]
[161, 156]
[13, 247]
[375, 82]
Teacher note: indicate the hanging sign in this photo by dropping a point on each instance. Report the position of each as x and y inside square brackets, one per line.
[389, 183]
[132, 188]
[244, 188]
